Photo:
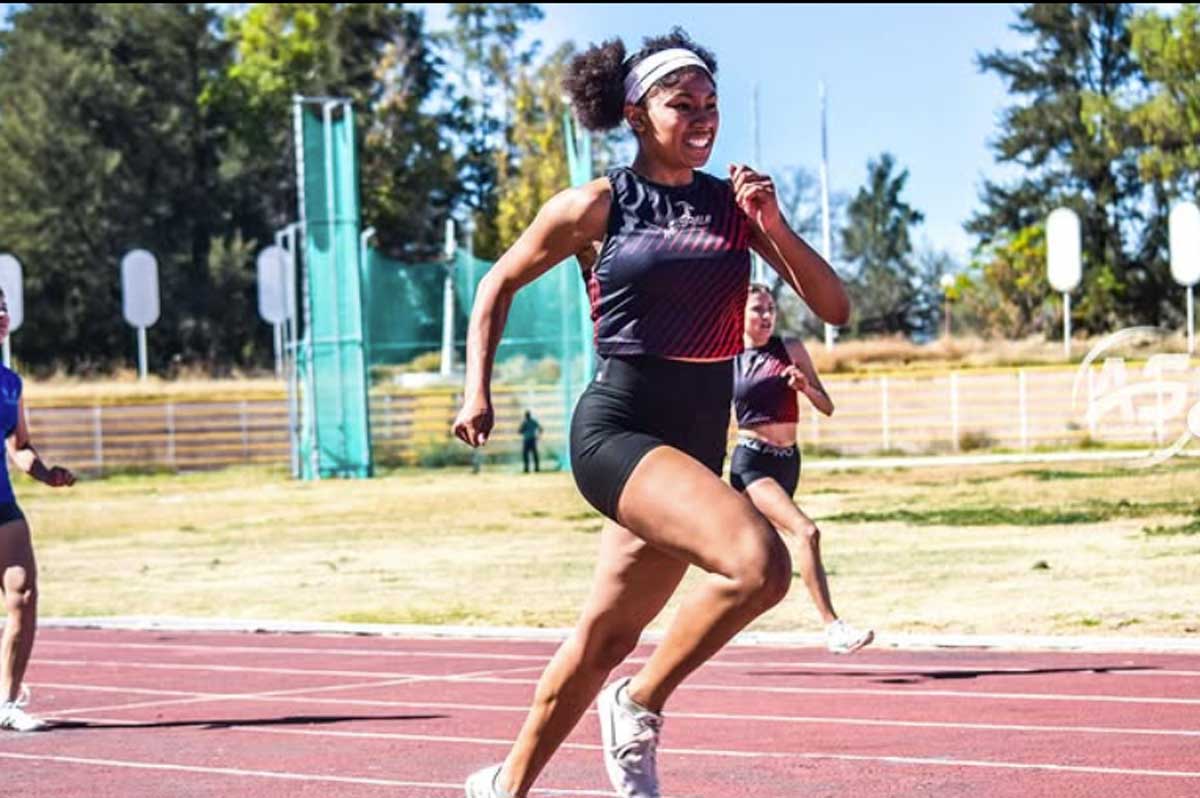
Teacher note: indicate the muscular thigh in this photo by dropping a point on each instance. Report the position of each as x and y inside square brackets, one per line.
[682, 509]
[16, 556]
[633, 580]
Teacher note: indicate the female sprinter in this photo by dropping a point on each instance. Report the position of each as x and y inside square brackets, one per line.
[17, 565]
[666, 253]
[768, 375]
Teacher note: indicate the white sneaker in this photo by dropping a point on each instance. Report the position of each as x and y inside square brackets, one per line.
[13, 715]
[630, 742]
[482, 783]
[842, 638]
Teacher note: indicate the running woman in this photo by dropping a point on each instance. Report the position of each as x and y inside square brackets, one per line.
[768, 377]
[666, 254]
[19, 581]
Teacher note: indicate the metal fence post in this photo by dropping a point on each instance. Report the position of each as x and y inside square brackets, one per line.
[955, 442]
[245, 431]
[98, 437]
[171, 435]
[1023, 405]
[885, 413]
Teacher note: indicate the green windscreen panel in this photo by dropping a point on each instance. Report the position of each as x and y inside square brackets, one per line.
[545, 357]
[541, 350]
[336, 439]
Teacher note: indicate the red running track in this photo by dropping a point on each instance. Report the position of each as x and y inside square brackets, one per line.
[273, 715]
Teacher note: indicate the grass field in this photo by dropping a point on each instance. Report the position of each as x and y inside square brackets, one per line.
[1070, 550]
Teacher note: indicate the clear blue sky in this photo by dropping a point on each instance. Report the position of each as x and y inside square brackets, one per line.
[900, 79]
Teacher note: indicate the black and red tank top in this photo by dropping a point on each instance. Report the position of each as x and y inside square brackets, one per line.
[760, 391]
[672, 276]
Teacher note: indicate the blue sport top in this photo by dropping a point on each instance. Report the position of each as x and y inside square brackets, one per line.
[674, 270]
[10, 397]
[760, 392]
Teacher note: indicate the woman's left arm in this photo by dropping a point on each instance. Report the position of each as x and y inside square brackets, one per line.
[26, 458]
[811, 385]
[790, 256]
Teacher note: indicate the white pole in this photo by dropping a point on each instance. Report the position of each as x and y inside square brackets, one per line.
[141, 337]
[1023, 404]
[760, 269]
[1066, 325]
[98, 437]
[954, 410]
[449, 249]
[1192, 328]
[826, 223]
[171, 435]
[1091, 398]
[886, 414]
[447, 367]
[276, 338]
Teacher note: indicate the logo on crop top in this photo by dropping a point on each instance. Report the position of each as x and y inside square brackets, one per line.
[685, 218]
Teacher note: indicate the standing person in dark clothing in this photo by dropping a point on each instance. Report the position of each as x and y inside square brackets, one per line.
[665, 250]
[530, 431]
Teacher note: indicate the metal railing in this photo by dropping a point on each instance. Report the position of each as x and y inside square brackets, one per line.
[933, 413]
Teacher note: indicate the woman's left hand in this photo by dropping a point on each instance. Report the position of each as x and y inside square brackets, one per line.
[796, 379]
[755, 195]
[59, 477]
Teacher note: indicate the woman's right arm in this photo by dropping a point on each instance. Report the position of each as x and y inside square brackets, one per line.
[566, 225]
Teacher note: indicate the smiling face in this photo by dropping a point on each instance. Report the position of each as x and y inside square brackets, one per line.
[760, 318]
[677, 123]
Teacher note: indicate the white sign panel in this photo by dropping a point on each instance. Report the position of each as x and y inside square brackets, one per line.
[14, 294]
[272, 285]
[139, 288]
[1185, 243]
[1063, 250]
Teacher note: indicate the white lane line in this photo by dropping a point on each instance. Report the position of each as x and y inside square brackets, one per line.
[834, 720]
[301, 693]
[725, 753]
[266, 774]
[476, 679]
[481, 678]
[910, 693]
[916, 668]
[346, 652]
[719, 752]
[538, 635]
[210, 668]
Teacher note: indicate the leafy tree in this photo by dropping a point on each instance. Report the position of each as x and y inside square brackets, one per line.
[887, 290]
[1008, 293]
[483, 48]
[539, 168]
[1073, 134]
[103, 148]
[1168, 50]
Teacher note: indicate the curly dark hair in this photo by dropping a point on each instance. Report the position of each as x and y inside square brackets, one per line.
[595, 79]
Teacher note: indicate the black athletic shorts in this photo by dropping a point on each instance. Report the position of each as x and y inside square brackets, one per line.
[9, 512]
[637, 403]
[752, 460]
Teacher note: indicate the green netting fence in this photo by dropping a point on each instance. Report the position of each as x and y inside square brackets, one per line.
[374, 327]
[334, 436]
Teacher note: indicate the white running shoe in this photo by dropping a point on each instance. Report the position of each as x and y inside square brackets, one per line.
[842, 638]
[13, 715]
[482, 783]
[630, 742]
